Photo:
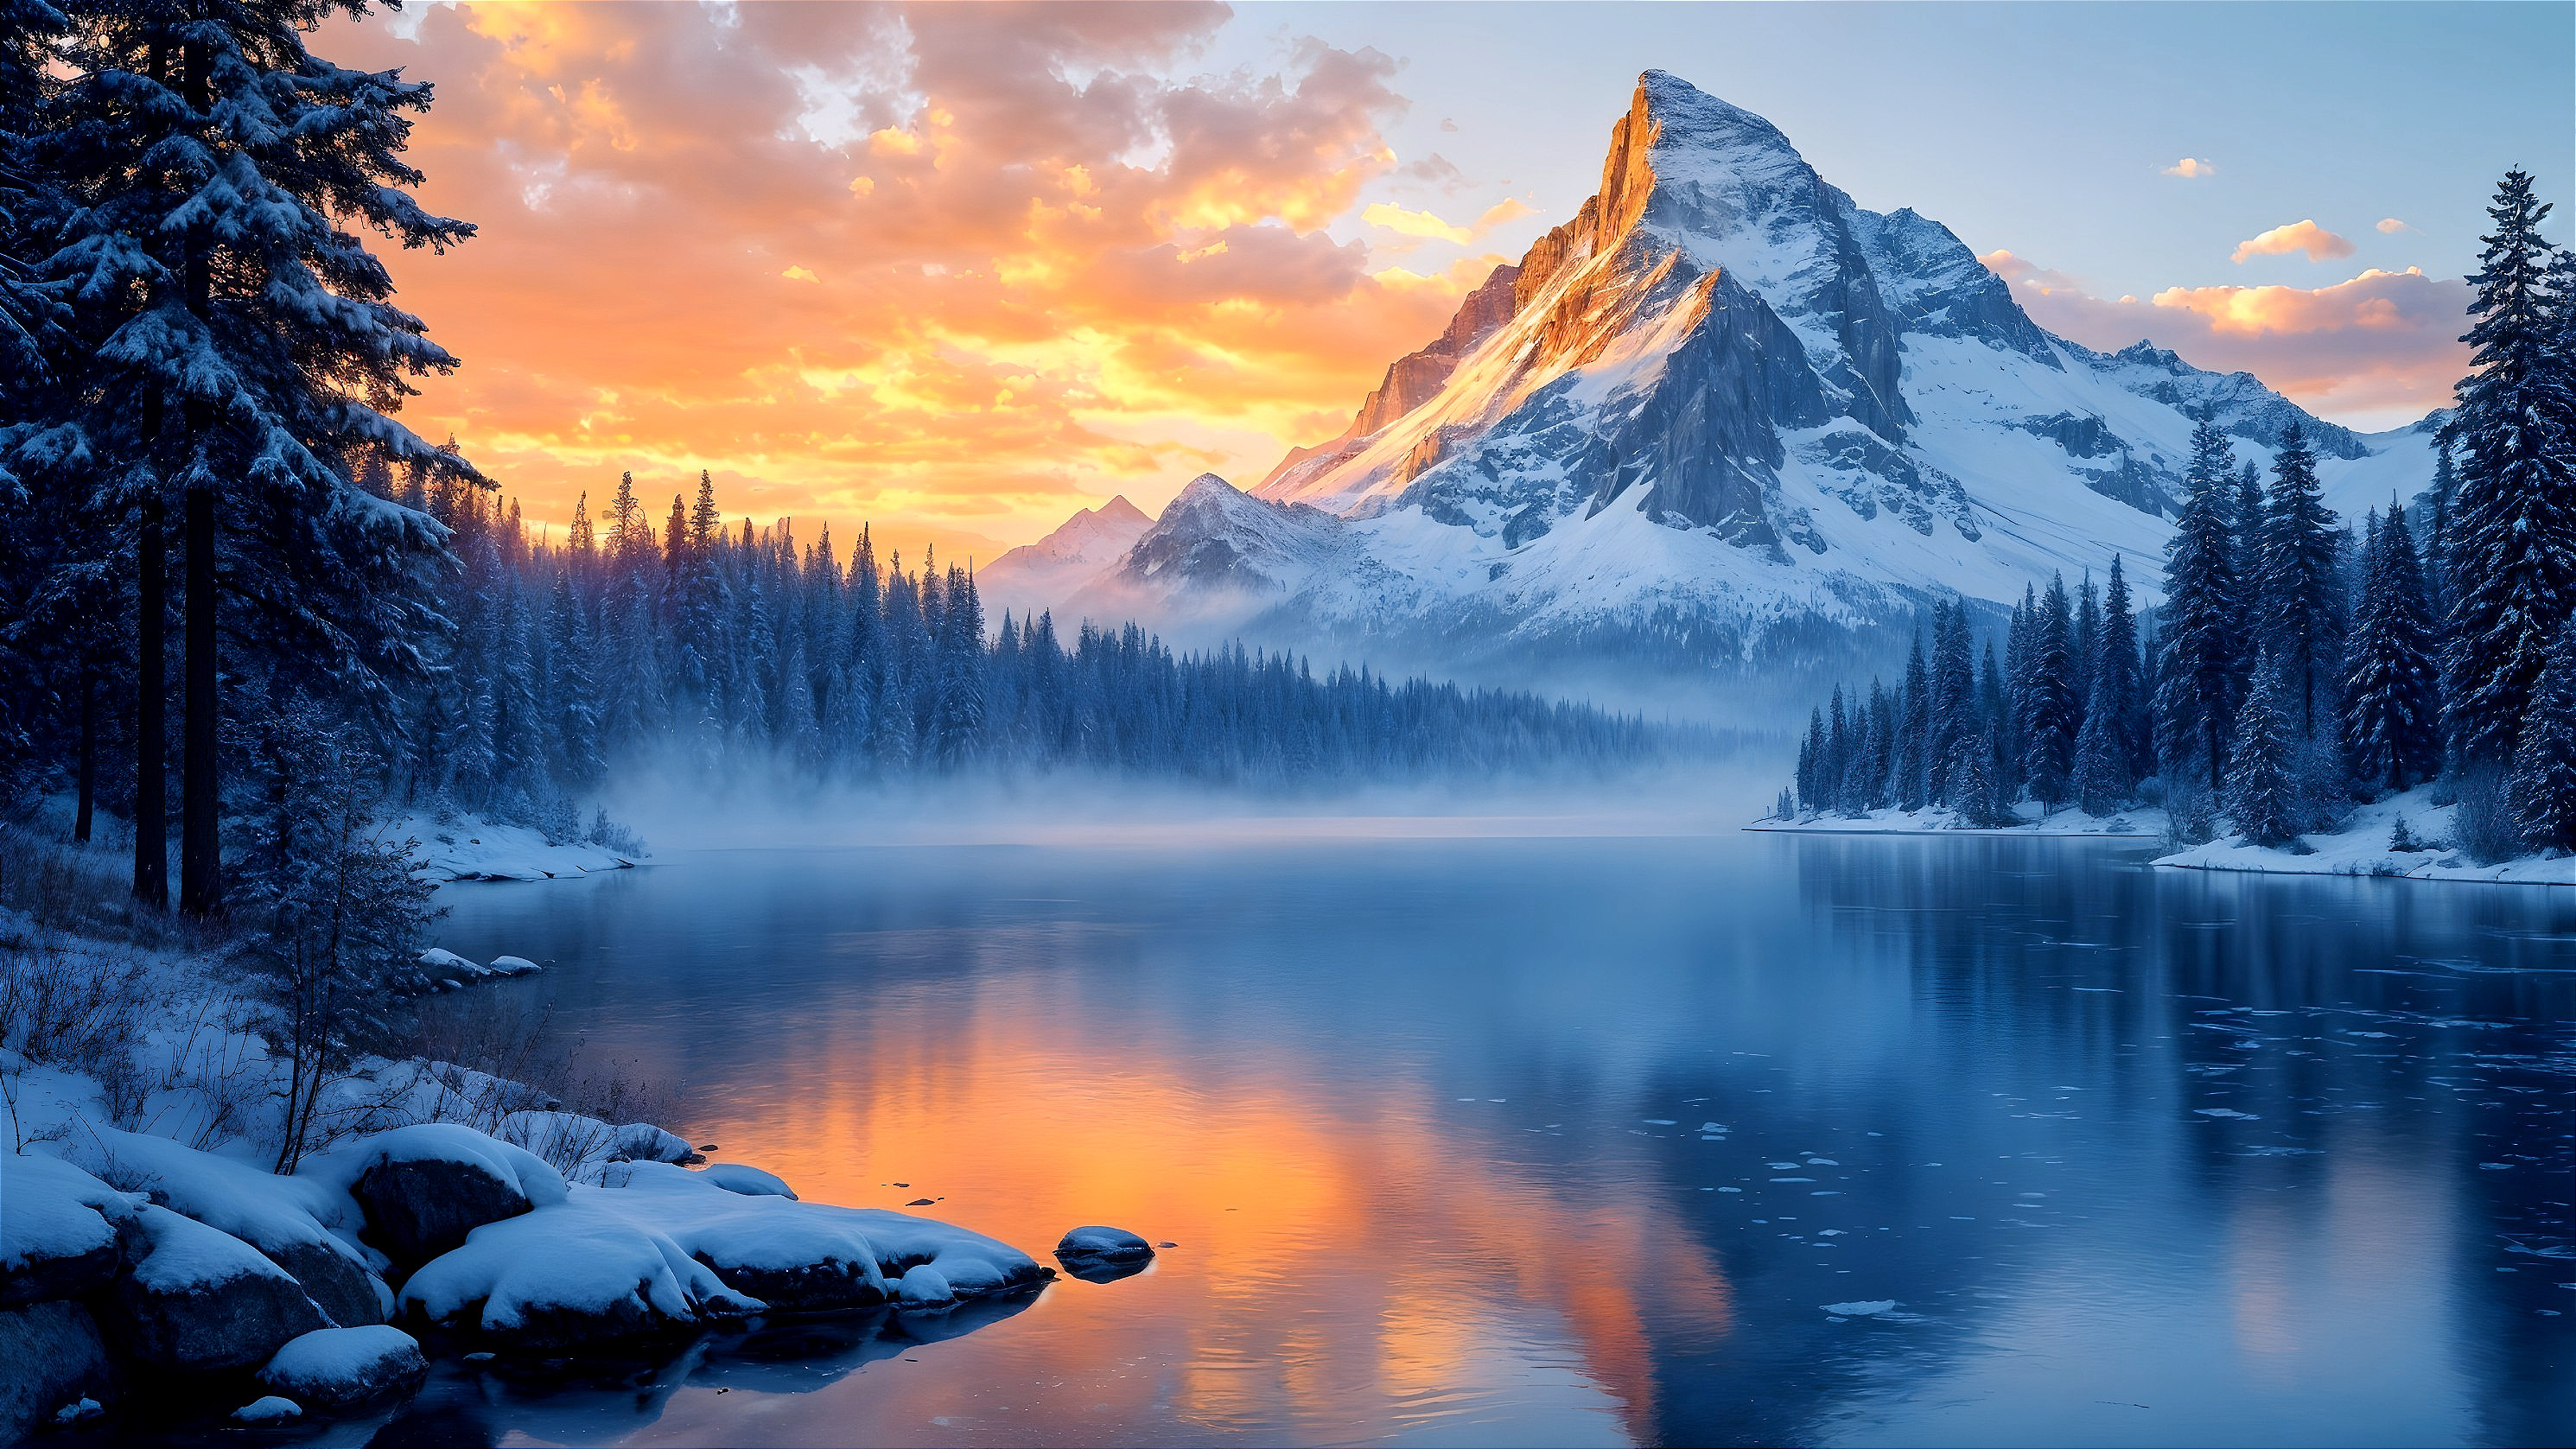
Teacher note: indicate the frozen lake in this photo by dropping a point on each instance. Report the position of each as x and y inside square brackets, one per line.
[1519, 1139]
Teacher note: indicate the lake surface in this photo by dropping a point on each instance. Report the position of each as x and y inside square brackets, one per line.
[1542, 1140]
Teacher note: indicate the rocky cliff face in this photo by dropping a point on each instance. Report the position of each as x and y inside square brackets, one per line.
[1721, 399]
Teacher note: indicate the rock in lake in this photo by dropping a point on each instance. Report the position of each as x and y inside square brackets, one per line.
[338, 1368]
[1116, 1244]
[1103, 1255]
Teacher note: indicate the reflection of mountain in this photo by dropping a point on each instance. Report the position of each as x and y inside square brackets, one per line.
[1287, 1059]
[1721, 408]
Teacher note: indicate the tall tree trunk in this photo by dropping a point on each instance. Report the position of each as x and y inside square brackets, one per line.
[200, 843]
[151, 736]
[88, 754]
[201, 885]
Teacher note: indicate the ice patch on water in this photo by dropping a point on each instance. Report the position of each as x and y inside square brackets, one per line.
[1870, 1308]
[2227, 1112]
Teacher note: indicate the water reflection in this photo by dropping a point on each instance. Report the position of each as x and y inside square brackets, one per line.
[1566, 1141]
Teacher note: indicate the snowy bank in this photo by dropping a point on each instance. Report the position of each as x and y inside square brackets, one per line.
[153, 1269]
[468, 848]
[1941, 820]
[141, 1265]
[2361, 847]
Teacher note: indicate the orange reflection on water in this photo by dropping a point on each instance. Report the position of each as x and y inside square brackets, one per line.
[1338, 1262]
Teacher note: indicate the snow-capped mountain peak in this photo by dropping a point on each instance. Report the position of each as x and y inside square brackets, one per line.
[1721, 404]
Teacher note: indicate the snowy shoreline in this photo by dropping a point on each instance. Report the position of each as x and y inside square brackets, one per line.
[2062, 825]
[154, 1268]
[2358, 848]
[467, 848]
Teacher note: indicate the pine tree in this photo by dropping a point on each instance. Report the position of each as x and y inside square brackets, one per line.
[2391, 721]
[2050, 714]
[250, 350]
[2512, 555]
[1912, 754]
[2299, 584]
[1953, 695]
[2262, 789]
[2101, 762]
[2544, 758]
[2117, 686]
[2202, 659]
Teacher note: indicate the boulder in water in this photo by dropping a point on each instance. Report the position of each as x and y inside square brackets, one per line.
[337, 1368]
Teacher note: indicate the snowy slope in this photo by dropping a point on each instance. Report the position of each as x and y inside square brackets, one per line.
[1036, 575]
[1722, 405]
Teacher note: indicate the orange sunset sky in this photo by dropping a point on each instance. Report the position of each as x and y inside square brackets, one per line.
[960, 271]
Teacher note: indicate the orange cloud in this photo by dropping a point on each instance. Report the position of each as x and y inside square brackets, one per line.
[2380, 349]
[2299, 236]
[2191, 168]
[2389, 225]
[1032, 263]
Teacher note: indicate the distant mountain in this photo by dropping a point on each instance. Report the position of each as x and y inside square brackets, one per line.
[1051, 569]
[1720, 412]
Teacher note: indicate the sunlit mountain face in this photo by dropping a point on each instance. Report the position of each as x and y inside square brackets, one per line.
[1719, 411]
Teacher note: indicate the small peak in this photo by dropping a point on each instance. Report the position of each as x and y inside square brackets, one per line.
[1206, 485]
[1120, 510]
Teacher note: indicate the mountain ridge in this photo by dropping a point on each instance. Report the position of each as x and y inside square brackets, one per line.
[1723, 402]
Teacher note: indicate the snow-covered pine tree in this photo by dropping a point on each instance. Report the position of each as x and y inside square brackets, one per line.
[1910, 762]
[2262, 794]
[2544, 758]
[251, 350]
[1953, 696]
[2085, 646]
[2117, 686]
[2512, 537]
[2299, 584]
[2436, 541]
[2201, 635]
[2101, 761]
[2391, 721]
[2050, 714]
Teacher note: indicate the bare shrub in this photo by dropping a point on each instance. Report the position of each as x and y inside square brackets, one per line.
[2191, 815]
[502, 1068]
[2484, 825]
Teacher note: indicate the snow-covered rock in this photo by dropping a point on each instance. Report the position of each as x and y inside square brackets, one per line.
[1103, 1242]
[425, 1188]
[809, 1256]
[747, 1180]
[58, 1230]
[572, 1271]
[303, 1224]
[335, 1368]
[1723, 404]
[51, 1358]
[193, 1300]
[1102, 1254]
[268, 1409]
